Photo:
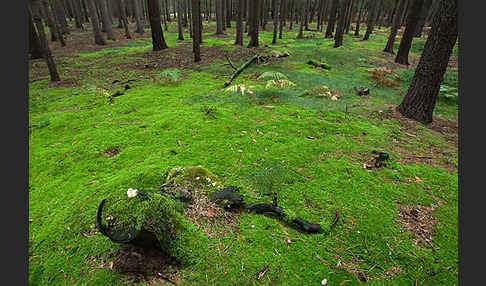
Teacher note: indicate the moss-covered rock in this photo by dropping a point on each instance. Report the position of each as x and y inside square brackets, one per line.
[192, 176]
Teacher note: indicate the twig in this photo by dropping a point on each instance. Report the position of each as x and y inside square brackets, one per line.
[230, 63]
[260, 273]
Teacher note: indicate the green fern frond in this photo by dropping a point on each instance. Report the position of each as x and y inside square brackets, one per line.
[282, 83]
[272, 75]
[170, 74]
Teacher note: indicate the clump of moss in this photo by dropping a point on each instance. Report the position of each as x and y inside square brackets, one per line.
[289, 216]
[160, 215]
[192, 176]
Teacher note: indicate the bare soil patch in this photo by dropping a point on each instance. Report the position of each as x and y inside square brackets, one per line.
[418, 220]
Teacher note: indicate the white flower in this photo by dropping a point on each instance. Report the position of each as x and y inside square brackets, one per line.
[208, 179]
[324, 281]
[132, 192]
[214, 184]
[197, 178]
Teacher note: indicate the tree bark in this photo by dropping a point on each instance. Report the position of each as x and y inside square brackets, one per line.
[253, 29]
[138, 16]
[180, 33]
[239, 23]
[158, 41]
[358, 22]
[105, 17]
[332, 19]
[275, 20]
[338, 39]
[219, 17]
[423, 15]
[35, 48]
[371, 19]
[196, 15]
[95, 24]
[61, 16]
[123, 15]
[77, 14]
[301, 27]
[228, 13]
[419, 102]
[407, 38]
[43, 41]
[283, 3]
[49, 19]
[396, 24]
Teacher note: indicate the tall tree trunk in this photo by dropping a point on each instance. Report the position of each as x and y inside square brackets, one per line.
[254, 12]
[196, 19]
[158, 41]
[332, 19]
[228, 13]
[95, 24]
[61, 15]
[123, 14]
[423, 15]
[349, 16]
[396, 24]
[58, 28]
[358, 22]
[301, 27]
[283, 3]
[138, 16]
[419, 102]
[77, 14]
[275, 20]
[407, 38]
[35, 47]
[35, 4]
[338, 39]
[239, 23]
[219, 17]
[371, 19]
[105, 17]
[180, 34]
[49, 19]
[319, 14]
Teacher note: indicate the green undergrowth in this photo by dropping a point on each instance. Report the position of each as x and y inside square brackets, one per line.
[155, 126]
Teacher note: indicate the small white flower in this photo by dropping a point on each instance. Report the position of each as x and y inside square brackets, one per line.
[132, 192]
[208, 179]
[197, 178]
[214, 184]
[252, 226]
[324, 282]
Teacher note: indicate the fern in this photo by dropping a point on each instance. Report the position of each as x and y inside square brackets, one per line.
[272, 75]
[324, 91]
[241, 88]
[448, 92]
[379, 74]
[169, 74]
[282, 83]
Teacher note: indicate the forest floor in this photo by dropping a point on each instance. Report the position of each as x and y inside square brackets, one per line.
[398, 223]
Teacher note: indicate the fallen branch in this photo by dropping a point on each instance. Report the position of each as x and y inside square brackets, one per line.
[230, 63]
[238, 71]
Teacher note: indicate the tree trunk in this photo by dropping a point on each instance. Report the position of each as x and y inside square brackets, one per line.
[61, 16]
[419, 102]
[219, 17]
[407, 38]
[358, 22]
[158, 41]
[95, 24]
[338, 39]
[43, 41]
[196, 19]
[301, 27]
[77, 14]
[49, 19]
[396, 24]
[58, 28]
[275, 20]
[180, 34]
[123, 15]
[283, 3]
[332, 19]
[254, 12]
[138, 16]
[239, 23]
[423, 16]
[371, 19]
[349, 16]
[35, 48]
[228, 13]
[105, 17]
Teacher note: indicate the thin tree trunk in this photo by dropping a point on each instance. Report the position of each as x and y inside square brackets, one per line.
[338, 39]
[49, 19]
[158, 41]
[349, 16]
[419, 102]
[138, 16]
[196, 19]
[180, 34]
[239, 23]
[61, 16]
[371, 19]
[423, 15]
[35, 47]
[123, 15]
[43, 41]
[283, 3]
[275, 20]
[254, 12]
[228, 13]
[106, 21]
[219, 17]
[58, 28]
[301, 27]
[396, 24]
[95, 24]
[407, 38]
[77, 14]
[332, 19]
